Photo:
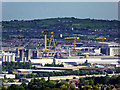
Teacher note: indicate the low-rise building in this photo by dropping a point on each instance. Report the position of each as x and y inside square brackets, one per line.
[7, 75]
[36, 71]
[7, 57]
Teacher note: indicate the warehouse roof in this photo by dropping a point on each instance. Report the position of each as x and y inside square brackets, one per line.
[28, 70]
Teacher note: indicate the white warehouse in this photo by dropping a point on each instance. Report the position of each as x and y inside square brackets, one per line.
[7, 57]
[99, 60]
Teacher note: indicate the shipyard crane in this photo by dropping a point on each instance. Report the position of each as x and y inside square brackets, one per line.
[102, 38]
[45, 31]
[74, 38]
[19, 37]
[52, 38]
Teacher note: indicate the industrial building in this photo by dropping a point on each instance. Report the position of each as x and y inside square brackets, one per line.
[27, 54]
[114, 51]
[36, 71]
[34, 53]
[7, 76]
[7, 57]
[24, 55]
[42, 69]
[109, 48]
[110, 51]
[91, 59]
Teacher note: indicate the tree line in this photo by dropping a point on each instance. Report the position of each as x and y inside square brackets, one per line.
[63, 73]
[10, 66]
[85, 83]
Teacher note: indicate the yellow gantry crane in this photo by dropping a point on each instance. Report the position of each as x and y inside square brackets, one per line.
[103, 38]
[45, 31]
[52, 38]
[74, 40]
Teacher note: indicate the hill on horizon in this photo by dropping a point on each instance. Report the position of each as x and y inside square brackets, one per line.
[68, 26]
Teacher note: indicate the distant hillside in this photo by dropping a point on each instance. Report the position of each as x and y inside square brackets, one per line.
[68, 26]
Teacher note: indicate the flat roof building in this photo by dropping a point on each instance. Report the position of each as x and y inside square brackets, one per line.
[7, 57]
[36, 71]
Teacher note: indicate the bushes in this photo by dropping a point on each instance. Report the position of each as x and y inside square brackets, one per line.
[15, 87]
[42, 84]
[64, 73]
[10, 66]
[95, 88]
[84, 83]
[54, 65]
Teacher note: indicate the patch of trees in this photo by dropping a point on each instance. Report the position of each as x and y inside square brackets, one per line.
[117, 70]
[10, 66]
[64, 73]
[41, 84]
[50, 84]
[100, 81]
[85, 83]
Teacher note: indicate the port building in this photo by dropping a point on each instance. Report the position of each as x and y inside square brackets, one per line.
[7, 57]
[92, 59]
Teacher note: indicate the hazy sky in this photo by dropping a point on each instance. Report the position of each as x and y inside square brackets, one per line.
[41, 10]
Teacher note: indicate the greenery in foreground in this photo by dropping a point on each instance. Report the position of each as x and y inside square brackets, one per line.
[83, 83]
